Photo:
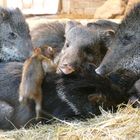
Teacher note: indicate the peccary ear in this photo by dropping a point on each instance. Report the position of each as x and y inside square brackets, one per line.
[3, 14]
[110, 33]
[70, 25]
[107, 36]
[93, 25]
[18, 10]
[90, 24]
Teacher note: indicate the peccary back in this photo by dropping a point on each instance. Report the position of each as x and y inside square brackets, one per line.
[64, 96]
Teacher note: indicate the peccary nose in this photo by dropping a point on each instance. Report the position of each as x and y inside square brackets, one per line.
[99, 71]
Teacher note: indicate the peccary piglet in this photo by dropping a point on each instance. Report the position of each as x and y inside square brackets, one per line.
[33, 73]
[15, 40]
[124, 50]
[83, 44]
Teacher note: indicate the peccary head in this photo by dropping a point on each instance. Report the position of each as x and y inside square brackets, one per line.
[82, 45]
[124, 51]
[15, 41]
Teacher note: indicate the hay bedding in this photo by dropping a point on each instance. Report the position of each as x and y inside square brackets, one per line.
[122, 125]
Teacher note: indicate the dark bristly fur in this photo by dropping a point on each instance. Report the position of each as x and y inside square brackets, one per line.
[122, 61]
[64, 96]
[124, 52]
[68, 96]
[15, 41]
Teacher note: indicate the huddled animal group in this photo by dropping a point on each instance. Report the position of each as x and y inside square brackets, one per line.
[66, 70]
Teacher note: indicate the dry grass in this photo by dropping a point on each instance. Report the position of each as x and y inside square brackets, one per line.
[123, 125]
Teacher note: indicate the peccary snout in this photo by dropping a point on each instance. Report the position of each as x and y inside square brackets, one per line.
[65, 68]
[100, 70]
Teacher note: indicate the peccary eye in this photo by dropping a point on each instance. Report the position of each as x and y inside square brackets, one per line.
[127, 39]
[12, 35]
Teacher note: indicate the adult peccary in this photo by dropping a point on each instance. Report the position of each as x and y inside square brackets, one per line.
[124, 50]
[64, 96]
[84, 44]
[15, 41]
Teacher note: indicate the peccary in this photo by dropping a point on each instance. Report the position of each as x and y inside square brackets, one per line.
[124, 50]
[64, 96]
[83, 44]
[15, 40]
[51, 34]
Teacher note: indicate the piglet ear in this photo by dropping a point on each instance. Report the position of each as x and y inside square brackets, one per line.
[70, 25]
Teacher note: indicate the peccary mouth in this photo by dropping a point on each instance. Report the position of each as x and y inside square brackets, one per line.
[65, 70]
